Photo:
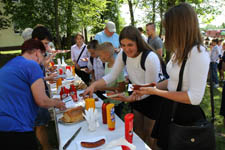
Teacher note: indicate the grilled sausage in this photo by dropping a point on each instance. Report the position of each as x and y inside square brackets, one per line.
[93, 144]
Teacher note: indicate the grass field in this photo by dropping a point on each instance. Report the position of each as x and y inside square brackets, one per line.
[219, 127]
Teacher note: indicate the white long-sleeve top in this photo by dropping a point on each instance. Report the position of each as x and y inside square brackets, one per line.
[98, 68]
[75, 52]
[136, 74]
[194, 77]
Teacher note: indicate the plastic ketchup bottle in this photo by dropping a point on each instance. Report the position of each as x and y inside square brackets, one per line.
[73, 93]
[63, 93]
[104, 115]
[128, 129]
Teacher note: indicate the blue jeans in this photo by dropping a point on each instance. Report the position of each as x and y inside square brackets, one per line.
[214, 77]
[43, 117]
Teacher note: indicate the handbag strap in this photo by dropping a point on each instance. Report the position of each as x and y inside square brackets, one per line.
[81, 53]
[179, 86]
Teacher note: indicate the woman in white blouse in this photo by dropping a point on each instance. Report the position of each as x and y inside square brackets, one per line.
[79, 56]
[183, 39]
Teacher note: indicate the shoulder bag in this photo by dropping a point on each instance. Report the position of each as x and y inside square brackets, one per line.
[198, 135]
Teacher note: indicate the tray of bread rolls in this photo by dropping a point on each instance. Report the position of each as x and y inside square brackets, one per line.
[72, 116]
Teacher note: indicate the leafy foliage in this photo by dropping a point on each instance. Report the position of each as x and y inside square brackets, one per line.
[73, 15]
[4, 22]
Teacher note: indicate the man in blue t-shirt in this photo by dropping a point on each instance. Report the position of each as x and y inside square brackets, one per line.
[21, 92]
[109, 35]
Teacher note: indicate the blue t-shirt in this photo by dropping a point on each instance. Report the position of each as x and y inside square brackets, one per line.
[18, 109]
[101, 37]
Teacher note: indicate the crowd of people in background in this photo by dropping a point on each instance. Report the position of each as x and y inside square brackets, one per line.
[107, 64]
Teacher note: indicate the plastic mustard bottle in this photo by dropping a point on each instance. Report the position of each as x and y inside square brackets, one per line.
[110, 116]
[58, 82]
[73, 70]
[89, 103]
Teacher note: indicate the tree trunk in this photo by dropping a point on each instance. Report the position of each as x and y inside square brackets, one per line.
[171, 3]
[85, 35]
[117, 18]
[131, 12]
[153, 10]
[58, 41]
[161, 16]
[68, 23]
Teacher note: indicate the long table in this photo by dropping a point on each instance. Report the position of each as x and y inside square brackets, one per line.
[65, 131]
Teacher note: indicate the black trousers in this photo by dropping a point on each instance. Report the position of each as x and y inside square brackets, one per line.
[18, 140]
[83, 75]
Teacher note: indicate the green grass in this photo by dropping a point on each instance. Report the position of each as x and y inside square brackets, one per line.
[219, 127]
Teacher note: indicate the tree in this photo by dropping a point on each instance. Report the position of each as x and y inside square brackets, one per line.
[153, 11]
[161, 16]
[223, 25]
[56, 5]
[131, 12]
[90, 12]
[4, 22]
[74, 15]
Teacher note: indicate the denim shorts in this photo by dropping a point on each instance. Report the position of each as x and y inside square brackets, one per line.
[43, 117]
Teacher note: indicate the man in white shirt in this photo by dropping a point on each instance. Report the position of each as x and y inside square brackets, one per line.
[221, 72]
[214, 58]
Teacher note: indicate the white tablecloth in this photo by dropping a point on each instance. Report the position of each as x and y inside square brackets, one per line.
[65, 132]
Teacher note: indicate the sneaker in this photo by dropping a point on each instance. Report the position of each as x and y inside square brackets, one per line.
[216, 85]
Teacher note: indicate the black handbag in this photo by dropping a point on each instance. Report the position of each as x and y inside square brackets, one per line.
[198, 135]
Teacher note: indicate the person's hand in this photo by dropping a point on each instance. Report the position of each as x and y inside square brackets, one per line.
[60, 104]
[146, 91]
[51, 77]
[89, 91]
[117, 50]
[77, 66]
[52, 56]
[87, 70]
[118, 89]
[123, 98]
[127, 79]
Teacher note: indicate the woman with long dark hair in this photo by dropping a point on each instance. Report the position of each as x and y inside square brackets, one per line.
[145, 109]
[184, 40]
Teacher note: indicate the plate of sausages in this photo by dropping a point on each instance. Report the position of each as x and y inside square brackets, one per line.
[91, 144]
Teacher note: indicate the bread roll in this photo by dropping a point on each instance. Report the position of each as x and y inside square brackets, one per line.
[73, 115]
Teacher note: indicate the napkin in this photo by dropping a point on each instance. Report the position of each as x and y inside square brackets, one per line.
[119, 142]
[91, 116]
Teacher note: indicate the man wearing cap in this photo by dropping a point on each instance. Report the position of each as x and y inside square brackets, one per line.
[108, 35]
